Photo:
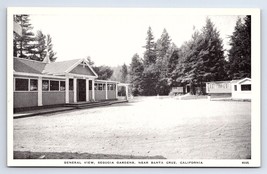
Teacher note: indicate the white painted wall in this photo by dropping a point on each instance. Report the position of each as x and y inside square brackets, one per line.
[238, 94]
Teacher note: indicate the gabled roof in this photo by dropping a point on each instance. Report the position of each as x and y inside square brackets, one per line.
[59, 67]
[54, 68]
[241, 80]
[28, 66]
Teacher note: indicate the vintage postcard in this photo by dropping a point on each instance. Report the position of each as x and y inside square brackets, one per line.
[133, 87]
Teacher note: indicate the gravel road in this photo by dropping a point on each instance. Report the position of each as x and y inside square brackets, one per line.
[170, 128]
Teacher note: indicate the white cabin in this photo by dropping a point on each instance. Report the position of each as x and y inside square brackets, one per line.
[241, 89]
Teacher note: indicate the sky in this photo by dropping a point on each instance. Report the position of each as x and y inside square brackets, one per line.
[111, 37]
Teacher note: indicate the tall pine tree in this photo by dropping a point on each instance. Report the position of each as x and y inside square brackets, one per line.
[240, 52]
[124, 73]
[40, 46]
[150, 75]
[204, 59]
[136, 73]
[163, 52]
[190, 70]
[150, 54]
[50, 51]
[212, 54]
[173, 64]
[24, 44]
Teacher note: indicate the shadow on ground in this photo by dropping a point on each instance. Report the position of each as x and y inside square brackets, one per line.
[69, 155]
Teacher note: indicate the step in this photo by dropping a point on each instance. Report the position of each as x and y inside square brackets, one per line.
[119, 101]
[87, 103]
[92, 106]
[98, 104]
[79, 103]
[41, 112]
[67, 107]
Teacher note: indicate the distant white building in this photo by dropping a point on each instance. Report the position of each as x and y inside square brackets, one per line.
[236, 89]
[241, 89]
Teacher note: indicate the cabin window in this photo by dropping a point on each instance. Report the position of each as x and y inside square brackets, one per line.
[111, 87]
[245, 87]
[71, 84]
[45, 85]
[95, 86]
[33, 85]
[104, 87]
[21, 84]
[100, 87]
[54, 85]
[62, 85]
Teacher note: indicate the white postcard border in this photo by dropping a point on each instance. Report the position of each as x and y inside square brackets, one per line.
[255, 160]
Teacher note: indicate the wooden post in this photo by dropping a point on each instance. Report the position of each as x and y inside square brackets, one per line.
[106, 90]
[93, 89]
[87, 89]
[75, 90]
[40, 91]
[67, 90]
[116, 90]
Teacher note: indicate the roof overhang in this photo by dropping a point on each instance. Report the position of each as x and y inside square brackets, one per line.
[38, 75]
[108, 81]
[124, 84]
[80, 76]
[241, 80]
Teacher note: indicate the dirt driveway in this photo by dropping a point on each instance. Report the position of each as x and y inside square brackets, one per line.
[170, 128]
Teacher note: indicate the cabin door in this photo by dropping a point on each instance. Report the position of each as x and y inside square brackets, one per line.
[81, 90]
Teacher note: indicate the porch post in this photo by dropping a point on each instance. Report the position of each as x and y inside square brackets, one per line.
[87, 89]
[116, 89]
[106, 90]
[93, 89]
[67, 93]
[40, 92]
[75, 90]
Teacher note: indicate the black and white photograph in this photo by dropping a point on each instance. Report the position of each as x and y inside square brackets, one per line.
[133, 87]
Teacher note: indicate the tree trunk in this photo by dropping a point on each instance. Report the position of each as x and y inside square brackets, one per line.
[14, 48]
[20, 48]
[201, 88]
[192, 89]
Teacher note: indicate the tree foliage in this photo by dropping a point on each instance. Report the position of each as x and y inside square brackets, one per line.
[212, 54]
[40, 46]
[103, 72]
[124, 73]
[90, 61]
[199, 60]
[202, 59]
[29, 45]
[50, 51]
[164, 50]
[22, 44]
[136, 75]
[150, 73]
[150, 54]
[240, 52]
[174, 69]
